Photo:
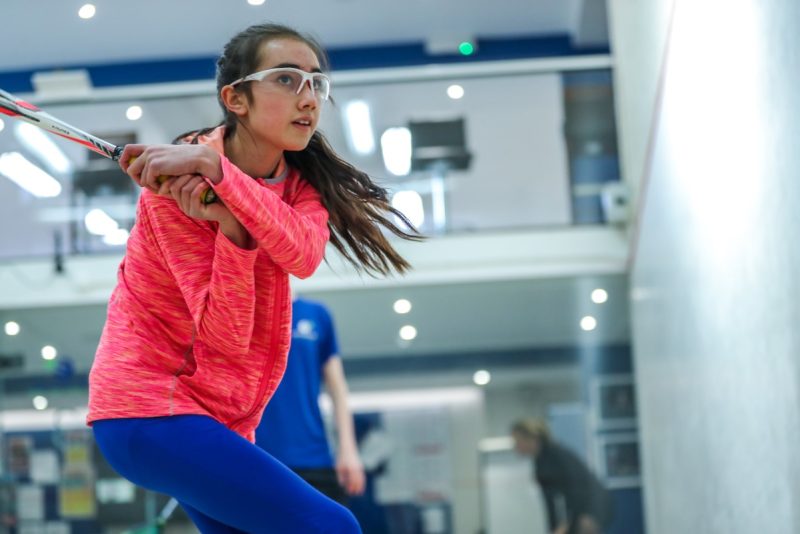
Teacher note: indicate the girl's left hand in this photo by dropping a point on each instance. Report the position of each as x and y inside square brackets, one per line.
[187, 190]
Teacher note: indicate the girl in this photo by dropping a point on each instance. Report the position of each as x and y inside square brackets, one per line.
[198, 327]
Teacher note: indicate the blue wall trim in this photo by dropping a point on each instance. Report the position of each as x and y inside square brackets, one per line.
[615, 358]
[396, 55]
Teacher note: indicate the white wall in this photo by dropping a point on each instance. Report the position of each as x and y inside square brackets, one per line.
[638, 36]
[513, 502]
[714, 279]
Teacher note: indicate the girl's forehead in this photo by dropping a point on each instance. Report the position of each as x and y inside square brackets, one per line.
[288, 52]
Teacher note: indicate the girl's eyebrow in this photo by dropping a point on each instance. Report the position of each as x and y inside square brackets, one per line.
[294, 66]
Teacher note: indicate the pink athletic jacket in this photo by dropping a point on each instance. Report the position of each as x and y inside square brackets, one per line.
[197, 325]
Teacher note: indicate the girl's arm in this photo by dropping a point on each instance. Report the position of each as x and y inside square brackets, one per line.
[294, 235]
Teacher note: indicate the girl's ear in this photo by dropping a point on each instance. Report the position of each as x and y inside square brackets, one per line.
[234, 101]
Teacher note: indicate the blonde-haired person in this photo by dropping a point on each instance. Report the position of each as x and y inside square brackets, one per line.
[560, 473]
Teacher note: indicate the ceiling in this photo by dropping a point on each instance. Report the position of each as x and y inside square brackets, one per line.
[54, 36]
[489, 318]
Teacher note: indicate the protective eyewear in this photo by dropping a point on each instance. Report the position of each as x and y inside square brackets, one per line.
[291, 80]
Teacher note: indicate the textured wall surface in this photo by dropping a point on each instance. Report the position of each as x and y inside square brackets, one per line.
[715, 278]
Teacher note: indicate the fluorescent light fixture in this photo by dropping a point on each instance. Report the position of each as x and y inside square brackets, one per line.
[118, 236]
[255, 2]
[385, 400]
[28, 176]
[396, 149]
[409, 203]
[2, 125]
[98, 222]
[41, 144]
[359, 127]
[496, 444]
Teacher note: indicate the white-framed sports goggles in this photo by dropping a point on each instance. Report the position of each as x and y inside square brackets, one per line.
[292, 80]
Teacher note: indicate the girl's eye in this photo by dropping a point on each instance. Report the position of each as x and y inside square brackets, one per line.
[285, 79]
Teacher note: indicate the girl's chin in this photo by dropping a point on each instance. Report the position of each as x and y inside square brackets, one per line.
[297, 145]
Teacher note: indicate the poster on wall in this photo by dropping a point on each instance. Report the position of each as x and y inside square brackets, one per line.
[18, 456]
[614, 402]
[618, 459]
[30, 502]
[76, 492]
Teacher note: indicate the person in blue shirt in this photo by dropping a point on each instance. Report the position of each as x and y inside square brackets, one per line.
[292, 429]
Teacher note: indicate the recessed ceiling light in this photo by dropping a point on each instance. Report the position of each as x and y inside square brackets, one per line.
[482, 377]
[255, 2]
[49, 352]
[588, 323]
[408, 332]
[455, 91]
[87, 11]
[599, 296]
[12, 328]
[402, 306]
[134, 113]
[2, 125]
[40, 402]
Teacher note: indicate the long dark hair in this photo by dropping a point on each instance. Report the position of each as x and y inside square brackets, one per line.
[357, 207]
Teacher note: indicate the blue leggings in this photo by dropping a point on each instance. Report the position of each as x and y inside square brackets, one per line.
[225, 483]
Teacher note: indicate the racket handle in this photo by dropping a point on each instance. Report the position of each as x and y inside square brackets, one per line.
[206, 197]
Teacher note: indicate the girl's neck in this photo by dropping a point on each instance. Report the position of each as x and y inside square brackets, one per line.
[254, 159]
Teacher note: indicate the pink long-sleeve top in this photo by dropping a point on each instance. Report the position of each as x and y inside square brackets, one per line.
[197, 325]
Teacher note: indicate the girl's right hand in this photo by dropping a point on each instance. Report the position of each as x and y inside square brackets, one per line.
[148, 165]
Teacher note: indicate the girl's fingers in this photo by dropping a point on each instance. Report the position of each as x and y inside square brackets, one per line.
[186, 191]
[165, 188]
[197, 192]
[176, 184]
[130, 152]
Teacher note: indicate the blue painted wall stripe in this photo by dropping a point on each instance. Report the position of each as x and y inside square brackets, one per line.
[385, 56]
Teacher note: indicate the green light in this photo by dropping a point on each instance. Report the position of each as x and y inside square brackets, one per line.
[466, 48]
